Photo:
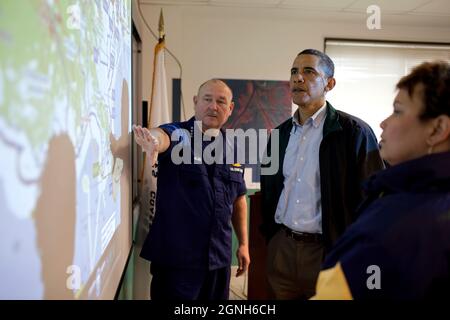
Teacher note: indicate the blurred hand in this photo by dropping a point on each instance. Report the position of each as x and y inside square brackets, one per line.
[243, 258]
[148, 143]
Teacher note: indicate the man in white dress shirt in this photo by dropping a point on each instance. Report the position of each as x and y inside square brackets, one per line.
[325, 155]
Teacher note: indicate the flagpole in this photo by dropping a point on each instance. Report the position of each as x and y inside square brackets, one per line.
[161, 39]
[158, 114]
[160, 46]
[161, 26]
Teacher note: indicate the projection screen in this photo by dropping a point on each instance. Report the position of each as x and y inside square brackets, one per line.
[65, 110]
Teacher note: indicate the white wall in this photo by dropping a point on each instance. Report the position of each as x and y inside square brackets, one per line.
[250, 43]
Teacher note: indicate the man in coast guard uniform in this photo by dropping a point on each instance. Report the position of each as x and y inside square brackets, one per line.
[200, 197]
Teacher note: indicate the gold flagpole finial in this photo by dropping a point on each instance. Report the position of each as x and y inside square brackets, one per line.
[161, 26]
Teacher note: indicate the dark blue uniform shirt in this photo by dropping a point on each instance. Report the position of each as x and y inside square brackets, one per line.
[194, 203]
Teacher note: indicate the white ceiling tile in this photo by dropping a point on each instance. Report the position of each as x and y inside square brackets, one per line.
[316, 4]
[271, 4]
[246, 2]
[181, 1]
[175, 2]
[434, 10]
[387, 6]
[440, 7]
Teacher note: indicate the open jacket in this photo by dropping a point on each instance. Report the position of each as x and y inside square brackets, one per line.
[348, 155]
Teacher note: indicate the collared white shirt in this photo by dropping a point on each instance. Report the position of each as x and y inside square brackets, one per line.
[299, 206]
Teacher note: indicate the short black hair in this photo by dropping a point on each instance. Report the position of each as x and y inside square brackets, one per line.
[324, 60]
[435, 78]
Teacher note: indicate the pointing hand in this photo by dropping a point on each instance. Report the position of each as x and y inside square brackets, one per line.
[147, 141]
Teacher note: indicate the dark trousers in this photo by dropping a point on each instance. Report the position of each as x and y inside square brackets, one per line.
[293, 267]
[189, 284]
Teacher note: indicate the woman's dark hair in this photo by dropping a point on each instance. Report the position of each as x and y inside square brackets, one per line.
[435, 78]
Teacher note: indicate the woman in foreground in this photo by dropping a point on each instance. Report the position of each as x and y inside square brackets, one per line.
[399, 248]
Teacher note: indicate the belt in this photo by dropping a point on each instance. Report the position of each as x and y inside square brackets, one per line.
[303, 236]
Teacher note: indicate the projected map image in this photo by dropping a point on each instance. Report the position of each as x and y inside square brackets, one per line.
[65, 81]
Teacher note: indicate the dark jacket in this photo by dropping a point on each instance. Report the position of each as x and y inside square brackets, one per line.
[194, 205]
[403, 230]
[348, 155]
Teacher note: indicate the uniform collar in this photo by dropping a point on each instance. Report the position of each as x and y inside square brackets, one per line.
[192, 123]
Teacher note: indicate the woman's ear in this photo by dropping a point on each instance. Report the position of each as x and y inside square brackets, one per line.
[440, 130]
